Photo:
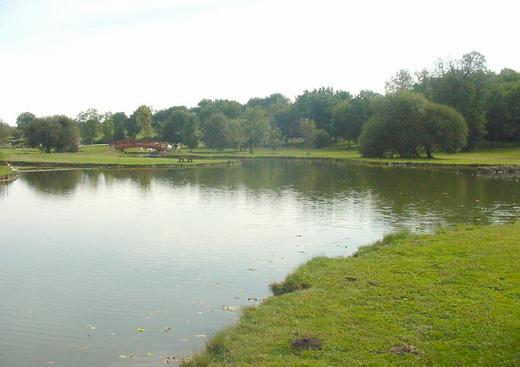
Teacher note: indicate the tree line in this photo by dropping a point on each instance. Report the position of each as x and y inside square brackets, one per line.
[458, 104]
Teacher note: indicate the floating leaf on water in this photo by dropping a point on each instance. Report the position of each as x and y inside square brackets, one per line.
[140, 330]
[123, 356]
[148, 354]
[201, 336]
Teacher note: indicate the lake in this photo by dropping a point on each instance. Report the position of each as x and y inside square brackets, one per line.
[128, 267]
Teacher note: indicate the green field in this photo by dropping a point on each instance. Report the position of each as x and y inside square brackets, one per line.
[499, 156]
[99, 155]
[450, 299]
[104, 156]
[5, 171]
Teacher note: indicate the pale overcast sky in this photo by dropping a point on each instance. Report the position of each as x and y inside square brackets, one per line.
[63, 56]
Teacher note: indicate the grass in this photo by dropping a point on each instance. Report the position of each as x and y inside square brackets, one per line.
[5, 171]
[103, 155]
[497, 156]
[449, 299]
[99, 155]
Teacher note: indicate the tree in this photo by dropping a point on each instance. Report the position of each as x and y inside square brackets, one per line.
[221, 132]
[181, 127]
[444, 129]
[69, 134]
[308, 132]
[503, 110]
[286, 122]
[255, 127]
[43, 133]
[89, 122]
[348, 117]
[119, 120]
[190, 133]
[170, 128]
[5, 132]
[322, 138]
[206, 108]
[132, 128]
[55, 132]
[402, 81]
[404, 123]
[464, 85]
[107, 127]
[317, 105]
[143, 119]
[274, 137]
[23, 121]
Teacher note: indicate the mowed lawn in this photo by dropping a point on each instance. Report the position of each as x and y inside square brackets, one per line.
[502, 156]
[103, 155]
[449, 299]
[97, 155]
[4, 171]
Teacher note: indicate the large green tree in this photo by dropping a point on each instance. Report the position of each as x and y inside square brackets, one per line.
[255, 127]
[317, 105]
[89, 123]
[503, 110]
[107, 127]
[220, 132]
[464, 85]
[406, 124]
[119, 121]
[308, 132]
[23, 121]
[143, 121]
[181, 126]
[6, 132]
[54, 132]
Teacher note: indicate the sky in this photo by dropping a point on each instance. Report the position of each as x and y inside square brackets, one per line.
[64, 56]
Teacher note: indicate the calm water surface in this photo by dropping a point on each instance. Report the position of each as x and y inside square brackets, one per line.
[88, 258]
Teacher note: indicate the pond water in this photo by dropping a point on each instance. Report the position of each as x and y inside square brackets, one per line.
[125, 268]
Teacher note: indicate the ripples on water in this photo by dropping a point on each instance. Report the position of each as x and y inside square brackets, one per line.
[88, 257]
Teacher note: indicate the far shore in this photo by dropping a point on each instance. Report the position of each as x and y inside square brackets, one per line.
[492, 161]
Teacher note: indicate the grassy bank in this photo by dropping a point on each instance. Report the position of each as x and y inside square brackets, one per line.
[492, 157]
[5, 171]
[99, 155]
[102, 155]
[450, 299]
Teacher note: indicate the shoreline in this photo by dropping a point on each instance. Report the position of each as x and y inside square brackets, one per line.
[405, 300]
[503, 170]
[53, 166]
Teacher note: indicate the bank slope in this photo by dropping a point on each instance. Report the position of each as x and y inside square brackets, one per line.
[451, 299]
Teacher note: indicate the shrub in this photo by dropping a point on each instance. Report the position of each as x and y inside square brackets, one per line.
[322, 138]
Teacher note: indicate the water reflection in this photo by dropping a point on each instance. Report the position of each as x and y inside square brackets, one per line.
[399, 193]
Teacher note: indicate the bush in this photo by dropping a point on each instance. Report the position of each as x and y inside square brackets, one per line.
[322, 138]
